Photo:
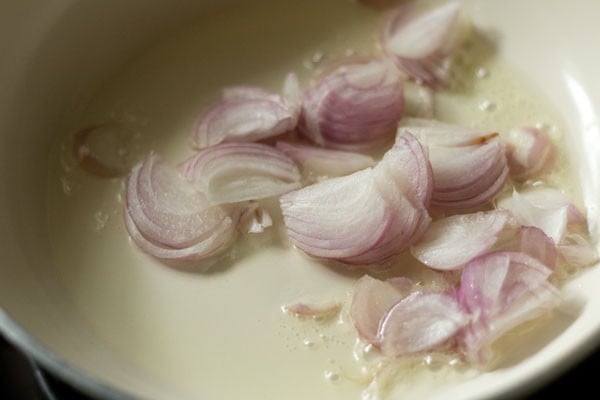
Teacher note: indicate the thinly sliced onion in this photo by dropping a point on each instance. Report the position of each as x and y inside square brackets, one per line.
[247, 113]
[420, 322]
[432, 132]
[422, 41]
[577, 252]
[218, 241]
[530, 153]
[254, 218]
[293, 95]
[535, 243]
[234, 172]
[451, 242]
[355, 106]
[371, 300]
[502, 290]
[405, 169]
[105, 150]
[169, 219]
[315, 310]
[318, 161]
[366, 217]
[469, 166]
[545, 208]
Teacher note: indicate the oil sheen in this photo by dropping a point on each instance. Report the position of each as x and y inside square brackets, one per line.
[222, 334]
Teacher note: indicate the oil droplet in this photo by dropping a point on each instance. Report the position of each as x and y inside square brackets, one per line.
[428, 360]
[487, 105]
[317, 58]
[482, 73]
[66, 186]
[453, 362]
[543, 126]
[331, 376]
[100, 220]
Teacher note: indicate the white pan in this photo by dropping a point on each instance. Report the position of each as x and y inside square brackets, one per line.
[123, 327]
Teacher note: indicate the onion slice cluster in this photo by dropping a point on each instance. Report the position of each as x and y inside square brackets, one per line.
[502, 290]
[545, 208]
[171, 220]
[371, 299]
[354, 105]
[422, 41]
[400, 321]
[551, 212]
[497, 291]
[469, 166]
[248, 114]
[328, 219]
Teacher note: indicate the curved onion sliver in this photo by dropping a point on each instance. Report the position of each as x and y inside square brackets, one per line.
[469, 166]
[371, 300]
[545, 208]
[247, 113]
[502, 290]
[234, 172]
[420, 322]
[422, 41]
[355, 106]
[319, 161]
[168, 218]
[451, 242]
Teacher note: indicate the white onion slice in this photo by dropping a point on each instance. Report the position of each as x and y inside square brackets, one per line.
[247, 113]
[354, 106]
[451, 242]
[422, 41]
[469, 166]
[168, 218]
[420, 322]
[371, 300]
[319, 161]
[545, 208]
[234, 172]
[530, 153]
[502, 290]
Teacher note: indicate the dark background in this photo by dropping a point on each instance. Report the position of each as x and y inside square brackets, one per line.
[17, 380]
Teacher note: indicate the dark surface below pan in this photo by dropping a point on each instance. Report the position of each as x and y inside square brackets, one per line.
[22, 379]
